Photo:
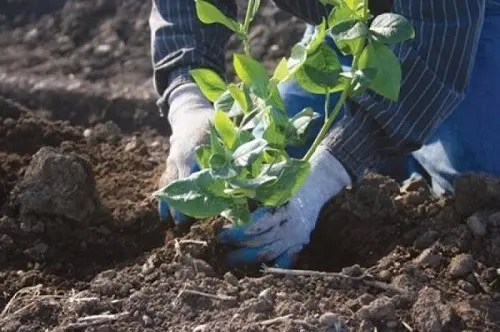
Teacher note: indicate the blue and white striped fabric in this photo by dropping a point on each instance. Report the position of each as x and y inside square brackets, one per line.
[436, 65]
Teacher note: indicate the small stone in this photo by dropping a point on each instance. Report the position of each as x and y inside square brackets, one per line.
[461, 265]
[267, 295]
[274, 48]
[353, 271]
[148, 321]
[231, 279]
[476, 224]
[467, 286]
[429, 258]
[382, 309]
[385, 275]
[329, 319]
[31, 35]
[201, 328]
[87, 133]
[102, 49]
[426, 240]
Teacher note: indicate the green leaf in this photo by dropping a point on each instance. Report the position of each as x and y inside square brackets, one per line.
[274, 128]
[225, 128]
[208, 13]
[247, 153]
[241, 97]
[390, 28]
[286, 68]
[215, 144]
[349, 36]
[203, 153]
[281, 71]
[238, 213]
[325, 67]
[299, 126]
[221, 168]
[209, 82]
[340, 15]
[224, 102]
[354, 4]
[291, 174]
[274, 97]
[199, 195]
[252, 73]
[252, 184]
[361, 80]
[252, 119]
[387, 81]
[318, 37]
[297, 58]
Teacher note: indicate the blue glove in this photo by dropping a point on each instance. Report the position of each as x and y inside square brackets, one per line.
[189, 116]
[278, 234]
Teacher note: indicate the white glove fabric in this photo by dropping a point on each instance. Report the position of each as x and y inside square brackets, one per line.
[279, 234]
[189, 117]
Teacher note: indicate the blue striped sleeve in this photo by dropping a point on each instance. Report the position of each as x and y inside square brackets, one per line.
[180, 42]
[436, 68]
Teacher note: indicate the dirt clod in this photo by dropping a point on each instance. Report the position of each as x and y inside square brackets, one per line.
[381, 309]
[430, 313]
[59, 185]
[461, 265]
[102, 132]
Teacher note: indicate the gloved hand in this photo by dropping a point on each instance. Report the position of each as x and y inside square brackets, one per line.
[278, 234]
[189, 117]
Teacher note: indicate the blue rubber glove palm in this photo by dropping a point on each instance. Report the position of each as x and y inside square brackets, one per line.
[189, 116]
[277, 235]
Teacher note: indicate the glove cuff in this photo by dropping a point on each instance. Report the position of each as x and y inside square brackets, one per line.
[187, 98]
[327, 178]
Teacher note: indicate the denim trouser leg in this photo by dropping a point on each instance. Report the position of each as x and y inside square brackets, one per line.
[468, 140]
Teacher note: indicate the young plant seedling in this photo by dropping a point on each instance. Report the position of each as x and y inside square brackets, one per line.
[246, 159]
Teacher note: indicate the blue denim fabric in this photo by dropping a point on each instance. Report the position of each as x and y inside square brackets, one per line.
[467, 141]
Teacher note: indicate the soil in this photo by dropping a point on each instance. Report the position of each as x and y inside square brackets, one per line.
[79, 118]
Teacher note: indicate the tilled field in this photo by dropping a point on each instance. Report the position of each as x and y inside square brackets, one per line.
[81, 149]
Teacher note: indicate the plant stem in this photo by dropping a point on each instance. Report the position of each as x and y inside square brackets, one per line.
[328, 121]
[327, 104]
[246, 27]
[246, 45]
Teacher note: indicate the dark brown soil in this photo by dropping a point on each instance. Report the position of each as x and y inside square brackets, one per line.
[402, 259]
